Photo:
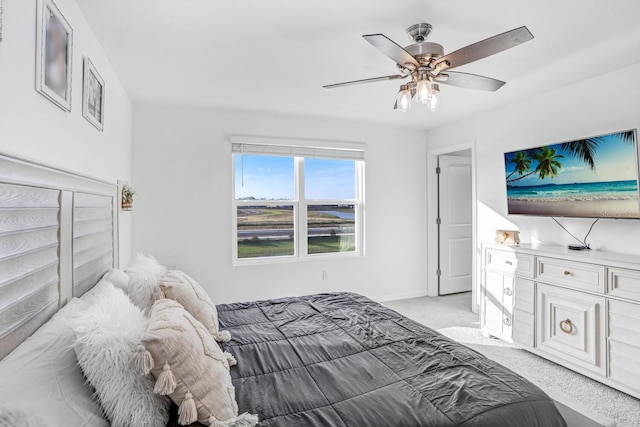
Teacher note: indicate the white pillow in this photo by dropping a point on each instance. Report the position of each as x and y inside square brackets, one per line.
[119, 279]
[19, 418]
[107, 336]
[145, 273]
[42, 374]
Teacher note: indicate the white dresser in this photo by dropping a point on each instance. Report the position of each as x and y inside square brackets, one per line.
[580, 309]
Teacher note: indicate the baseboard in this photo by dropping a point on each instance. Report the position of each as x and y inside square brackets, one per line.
[578, 415]
[405, 295]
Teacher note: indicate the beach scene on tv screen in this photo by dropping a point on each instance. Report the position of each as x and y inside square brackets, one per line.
[595, 177]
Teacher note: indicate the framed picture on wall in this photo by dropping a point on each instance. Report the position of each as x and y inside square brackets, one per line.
[54, 46]
[0, 21]
[93, 95]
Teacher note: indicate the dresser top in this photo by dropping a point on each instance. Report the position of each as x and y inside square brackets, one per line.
[590, 256]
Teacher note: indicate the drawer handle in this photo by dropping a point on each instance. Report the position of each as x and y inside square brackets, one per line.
[507, 321]
[508, 262]
[566, 326]
[567, 273]
[507, 291]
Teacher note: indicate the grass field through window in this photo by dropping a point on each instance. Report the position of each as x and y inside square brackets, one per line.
[317, 245]
[268, 231]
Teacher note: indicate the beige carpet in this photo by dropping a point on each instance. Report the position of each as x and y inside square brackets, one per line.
[451, 316]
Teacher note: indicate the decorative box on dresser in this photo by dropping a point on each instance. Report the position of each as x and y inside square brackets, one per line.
[580, 309]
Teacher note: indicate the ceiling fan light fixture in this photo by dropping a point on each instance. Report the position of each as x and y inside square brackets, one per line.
[423, 91]
[404, 98]
[434, 102]
[426, 64]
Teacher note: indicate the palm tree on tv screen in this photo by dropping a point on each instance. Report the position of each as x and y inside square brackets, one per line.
[585, 149]
[548, 165]
[523, 164]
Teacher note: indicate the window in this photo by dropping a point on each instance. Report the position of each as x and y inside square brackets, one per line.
[306, 203]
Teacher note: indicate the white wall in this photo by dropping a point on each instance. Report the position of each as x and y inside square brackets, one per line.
[603, 104]
[182, 214]
[33, 127]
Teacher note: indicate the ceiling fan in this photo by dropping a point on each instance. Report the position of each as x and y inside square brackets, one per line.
[427, 66]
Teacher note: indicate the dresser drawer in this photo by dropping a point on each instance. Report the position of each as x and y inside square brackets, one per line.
[509, 262]
[623, 283]
[570, 326]
[577, 275]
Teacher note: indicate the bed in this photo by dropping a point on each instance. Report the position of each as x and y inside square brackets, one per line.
[337, 359]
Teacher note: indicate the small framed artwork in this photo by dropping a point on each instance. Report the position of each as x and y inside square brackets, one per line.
[93, 95]
[0, 21]
[54, 48]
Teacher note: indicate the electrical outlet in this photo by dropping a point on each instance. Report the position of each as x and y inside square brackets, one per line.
[325, 275]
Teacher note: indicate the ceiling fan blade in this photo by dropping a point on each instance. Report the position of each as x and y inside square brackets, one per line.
[484, 48]
[470, 81]
[358, 82]
[392, 50]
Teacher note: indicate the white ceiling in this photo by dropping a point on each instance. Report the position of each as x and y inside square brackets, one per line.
[275, 55]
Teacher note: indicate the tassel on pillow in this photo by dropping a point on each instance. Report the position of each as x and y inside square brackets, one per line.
[158, 294]
[243, 420]
[166, 383]
[222, 336]
[141, 361]
[230, 358]
[187, 412]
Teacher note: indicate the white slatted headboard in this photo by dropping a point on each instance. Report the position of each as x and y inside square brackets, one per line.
[93, 249]
[58, 236]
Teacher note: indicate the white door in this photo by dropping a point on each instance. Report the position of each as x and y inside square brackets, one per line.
[455, 212]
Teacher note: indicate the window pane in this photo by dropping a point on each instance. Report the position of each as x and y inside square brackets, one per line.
[329, 179]
[265, 231]
[331, 228]
[264, 177]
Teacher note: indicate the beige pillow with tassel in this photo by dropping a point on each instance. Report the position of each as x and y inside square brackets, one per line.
[190, 367]
[180, 287]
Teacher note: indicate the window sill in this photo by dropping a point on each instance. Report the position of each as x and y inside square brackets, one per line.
[295, 259]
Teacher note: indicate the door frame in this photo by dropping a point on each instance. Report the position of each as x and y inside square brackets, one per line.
[432, 215]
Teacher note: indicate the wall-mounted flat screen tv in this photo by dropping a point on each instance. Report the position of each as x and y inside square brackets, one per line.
[595, 177]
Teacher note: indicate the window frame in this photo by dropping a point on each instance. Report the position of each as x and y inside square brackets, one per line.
[300, 204]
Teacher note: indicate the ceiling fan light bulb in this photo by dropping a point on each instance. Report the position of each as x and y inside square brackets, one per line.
[423, 91]
[404, 99]
[434, 102]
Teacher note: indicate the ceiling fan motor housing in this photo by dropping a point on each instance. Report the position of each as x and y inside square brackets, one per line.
[425, 52]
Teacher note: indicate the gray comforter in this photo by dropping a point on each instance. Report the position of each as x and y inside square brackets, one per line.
[343, 360]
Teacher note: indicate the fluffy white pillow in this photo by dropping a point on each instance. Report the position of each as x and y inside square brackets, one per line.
[108, 334]
[145, 273]
[119, 278]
